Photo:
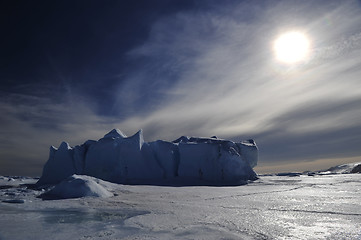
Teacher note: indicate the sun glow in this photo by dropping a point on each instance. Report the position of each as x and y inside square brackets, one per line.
[292, 47]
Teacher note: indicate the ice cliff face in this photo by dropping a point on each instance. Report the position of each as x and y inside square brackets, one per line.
[121, 159]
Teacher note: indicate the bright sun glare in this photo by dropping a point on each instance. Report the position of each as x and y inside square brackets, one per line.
[292, 47]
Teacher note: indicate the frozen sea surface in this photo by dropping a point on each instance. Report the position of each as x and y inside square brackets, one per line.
[273, 207]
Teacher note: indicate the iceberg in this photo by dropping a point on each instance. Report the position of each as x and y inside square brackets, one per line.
[130, 160]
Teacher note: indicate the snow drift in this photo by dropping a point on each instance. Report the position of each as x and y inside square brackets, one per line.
[77, 186]
[129, 160]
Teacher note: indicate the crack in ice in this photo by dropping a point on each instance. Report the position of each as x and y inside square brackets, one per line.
[318, 212]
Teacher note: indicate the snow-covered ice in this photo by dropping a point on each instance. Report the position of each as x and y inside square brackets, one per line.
[343, 168]
[77, 186]
[185, 161]
[272, 207]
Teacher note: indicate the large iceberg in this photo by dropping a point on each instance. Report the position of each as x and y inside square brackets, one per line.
[129, 160]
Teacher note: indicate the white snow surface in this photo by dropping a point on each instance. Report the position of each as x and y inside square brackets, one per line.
[77, 186]
[186, 161]
[272, 207]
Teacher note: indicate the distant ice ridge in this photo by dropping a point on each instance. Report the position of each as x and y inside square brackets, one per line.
[343, 169]
[129, 160]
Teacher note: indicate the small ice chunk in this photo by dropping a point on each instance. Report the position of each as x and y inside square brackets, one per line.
[77, 186]
[13, 201]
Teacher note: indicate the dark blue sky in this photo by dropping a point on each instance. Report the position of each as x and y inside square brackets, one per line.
[81, 44]
[73, 70]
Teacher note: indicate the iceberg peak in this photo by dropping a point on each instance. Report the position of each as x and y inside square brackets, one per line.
[138, 138]
[65, 145]
[115, 133]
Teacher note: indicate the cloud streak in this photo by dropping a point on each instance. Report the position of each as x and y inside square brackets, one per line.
[227, 82]
[31, 124]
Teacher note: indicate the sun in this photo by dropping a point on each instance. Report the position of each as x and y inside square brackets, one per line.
[292, 47]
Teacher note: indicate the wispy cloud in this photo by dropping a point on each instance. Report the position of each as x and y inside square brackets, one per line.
[227, 81]
[31, 124]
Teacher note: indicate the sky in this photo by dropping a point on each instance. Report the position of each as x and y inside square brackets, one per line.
[74, 70]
